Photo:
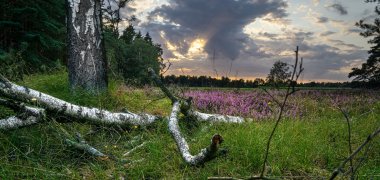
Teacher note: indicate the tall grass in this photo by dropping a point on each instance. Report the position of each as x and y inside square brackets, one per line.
[311, 145]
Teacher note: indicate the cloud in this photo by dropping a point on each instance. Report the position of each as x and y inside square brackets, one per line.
[322, 19]
[346, 45]
[316, 2]
[219, 22]
[338, 8]
[354, 30]
[327, 33]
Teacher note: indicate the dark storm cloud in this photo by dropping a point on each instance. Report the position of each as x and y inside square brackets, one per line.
[339, 8]
[322, 19]
[220, 22]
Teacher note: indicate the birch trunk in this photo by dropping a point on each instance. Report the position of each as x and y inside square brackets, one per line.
[86, 57]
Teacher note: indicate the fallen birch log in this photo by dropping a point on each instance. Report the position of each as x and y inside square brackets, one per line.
[92, 115]
[201, 157]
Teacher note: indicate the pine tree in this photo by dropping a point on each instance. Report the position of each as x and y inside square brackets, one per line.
[148, 39]
[370, 70]
[129, 34]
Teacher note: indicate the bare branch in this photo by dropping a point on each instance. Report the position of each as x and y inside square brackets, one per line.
[341, 166]
[349, 139]
[85, 147]
[282, 107]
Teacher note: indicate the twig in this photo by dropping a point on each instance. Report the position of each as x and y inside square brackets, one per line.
[339, 169]
[134, 149]
[288, 93]
[349, 139]
[273, 98]
[76, 141]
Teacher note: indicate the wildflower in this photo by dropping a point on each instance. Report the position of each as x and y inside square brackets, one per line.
[135, 127]
[33, 100]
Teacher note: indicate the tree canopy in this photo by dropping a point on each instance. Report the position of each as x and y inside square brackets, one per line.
[278, 74]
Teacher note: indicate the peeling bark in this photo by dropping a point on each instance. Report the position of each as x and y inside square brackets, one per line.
[86, 57]
[92, 115]
[201, 157]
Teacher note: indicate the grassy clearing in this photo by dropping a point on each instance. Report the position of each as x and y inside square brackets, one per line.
[310, 146]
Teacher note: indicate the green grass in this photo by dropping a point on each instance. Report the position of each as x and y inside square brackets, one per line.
[311, 146]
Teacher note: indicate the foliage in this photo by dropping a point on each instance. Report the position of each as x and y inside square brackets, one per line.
[369, 72]
[141, 53]
[32, 34]
[131, 54]
[278, 74]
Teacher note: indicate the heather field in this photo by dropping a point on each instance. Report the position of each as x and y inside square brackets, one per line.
[310, 141]
[259, 105]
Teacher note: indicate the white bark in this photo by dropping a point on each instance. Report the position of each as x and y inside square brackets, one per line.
[14, 122]
[29, 117]
[181, 142]
[93, 115]
[216, 117]
[85, 147]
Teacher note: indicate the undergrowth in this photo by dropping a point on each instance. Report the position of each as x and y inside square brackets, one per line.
[311, 146]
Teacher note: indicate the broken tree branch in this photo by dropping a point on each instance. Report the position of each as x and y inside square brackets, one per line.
[76, 142]
[205, 154]
[81, 144]
[26, 116]
[92, 115]
[187, 110]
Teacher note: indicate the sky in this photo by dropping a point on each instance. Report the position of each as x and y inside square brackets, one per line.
[243, 38]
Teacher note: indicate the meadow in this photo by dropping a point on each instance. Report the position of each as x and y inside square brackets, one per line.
[310, 142]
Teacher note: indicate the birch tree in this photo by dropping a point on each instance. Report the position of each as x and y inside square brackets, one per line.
[86, 57]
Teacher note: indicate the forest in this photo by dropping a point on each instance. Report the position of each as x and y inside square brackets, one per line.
[87, 93]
